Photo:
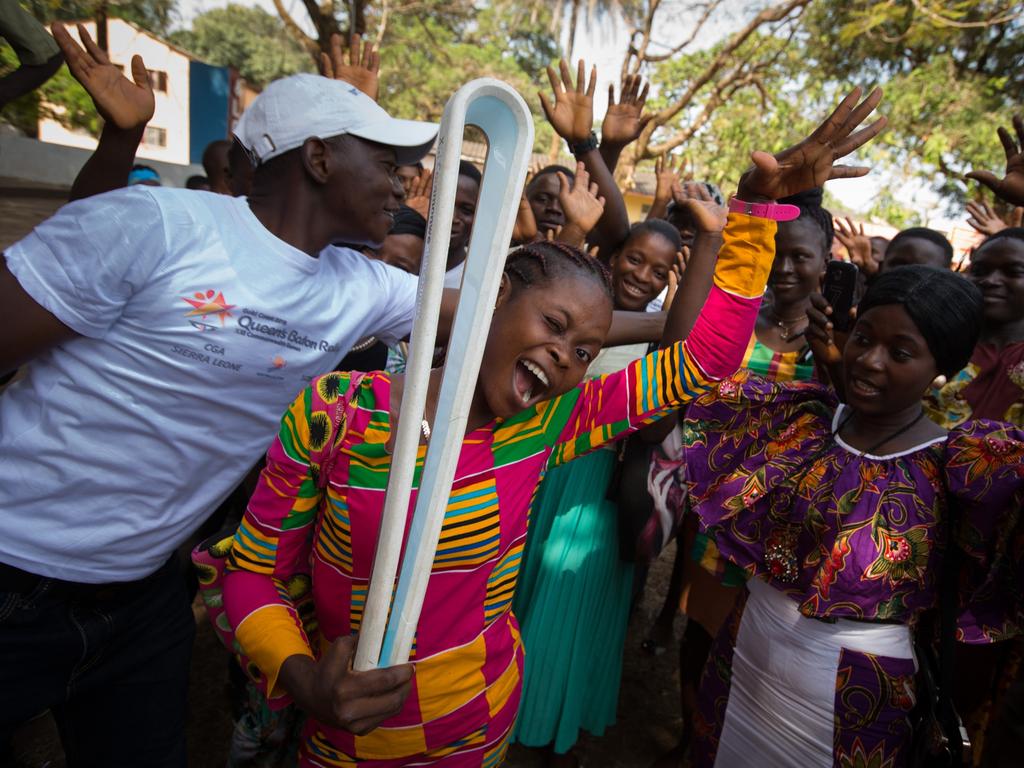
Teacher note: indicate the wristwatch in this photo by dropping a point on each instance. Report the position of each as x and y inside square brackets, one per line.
[582, 147]
[775, 211]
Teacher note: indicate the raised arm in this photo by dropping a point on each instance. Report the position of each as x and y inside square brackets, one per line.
[125, 106]
[683, 370]
[572, 117]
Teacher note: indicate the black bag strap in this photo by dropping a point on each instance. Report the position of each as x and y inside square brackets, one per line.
[948, 608]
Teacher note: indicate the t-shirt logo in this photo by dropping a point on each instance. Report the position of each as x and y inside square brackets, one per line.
[204, 305]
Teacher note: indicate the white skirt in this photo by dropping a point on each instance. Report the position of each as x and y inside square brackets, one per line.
[781, 703]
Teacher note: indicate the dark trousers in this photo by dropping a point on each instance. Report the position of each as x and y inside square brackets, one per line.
[110, 661]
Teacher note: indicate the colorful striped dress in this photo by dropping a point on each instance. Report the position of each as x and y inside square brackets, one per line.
[468, 654]
[778, 366]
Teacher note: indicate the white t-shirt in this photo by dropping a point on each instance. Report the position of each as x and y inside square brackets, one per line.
[198, 328]
[453, 277]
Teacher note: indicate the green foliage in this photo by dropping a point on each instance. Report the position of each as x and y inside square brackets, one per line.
[427, 54]
[156, 16]
[769, 116]
[249, 39]
[947, 88]
[60, 97]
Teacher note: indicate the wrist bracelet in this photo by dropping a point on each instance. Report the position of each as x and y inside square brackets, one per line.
[582, 147]
[774, 211]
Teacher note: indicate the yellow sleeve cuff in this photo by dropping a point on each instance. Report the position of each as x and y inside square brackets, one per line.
[268, 636]
[746, 255]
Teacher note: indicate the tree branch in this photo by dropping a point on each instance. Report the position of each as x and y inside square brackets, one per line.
[709, 8]
[768, 15]
[296, 32]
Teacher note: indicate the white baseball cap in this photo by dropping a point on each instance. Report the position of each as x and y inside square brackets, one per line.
[296, 108]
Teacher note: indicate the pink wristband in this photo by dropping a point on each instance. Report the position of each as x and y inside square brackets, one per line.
[774, 211]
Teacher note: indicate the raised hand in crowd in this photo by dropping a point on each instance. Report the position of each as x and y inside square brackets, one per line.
[525, 228]
[126, 104]
[419, 193]
[582, 205]
[981, 216]
[811, 162]
[667, 172]
[571, 113]
[708, 216]
[361, 69]
[1011, 187]
[857, 244]
[624, 121]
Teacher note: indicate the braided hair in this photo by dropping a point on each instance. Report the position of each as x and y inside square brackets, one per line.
[538, 263]
[809, 202]
[945, 307]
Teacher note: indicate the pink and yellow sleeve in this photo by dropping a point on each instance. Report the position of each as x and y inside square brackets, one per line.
[607, 408]
[272, 548]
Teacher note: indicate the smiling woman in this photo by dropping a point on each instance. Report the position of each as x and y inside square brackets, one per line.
[530, 412]
[991, 385]
[839, 515]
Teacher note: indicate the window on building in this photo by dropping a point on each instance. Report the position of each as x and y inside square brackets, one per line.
[155, 137]
[158, 79]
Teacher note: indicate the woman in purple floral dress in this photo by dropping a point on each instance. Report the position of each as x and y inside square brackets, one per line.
[838, 512]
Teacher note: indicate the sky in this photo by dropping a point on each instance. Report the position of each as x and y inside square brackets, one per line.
[604, 44]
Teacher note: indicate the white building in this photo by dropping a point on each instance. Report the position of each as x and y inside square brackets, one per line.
[167, 136]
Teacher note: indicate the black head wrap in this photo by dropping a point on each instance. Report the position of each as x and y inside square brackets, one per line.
[945, 307]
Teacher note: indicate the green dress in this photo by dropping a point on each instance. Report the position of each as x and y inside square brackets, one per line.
[573, 597]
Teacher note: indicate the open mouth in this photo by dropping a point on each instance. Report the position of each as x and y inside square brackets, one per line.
[529, 380]
[634, 291]
[863, 387]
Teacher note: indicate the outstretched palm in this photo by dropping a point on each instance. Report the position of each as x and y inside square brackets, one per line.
[623, 122]
[709, 216]
[810, 163]
[118, 100]
[362, 68]
[1011, 187]
[572, 114]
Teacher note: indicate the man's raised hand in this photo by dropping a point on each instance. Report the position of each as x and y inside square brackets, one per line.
[362, 69]
[119, 101]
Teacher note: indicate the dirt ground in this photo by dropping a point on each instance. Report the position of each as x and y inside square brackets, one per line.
[648, 703]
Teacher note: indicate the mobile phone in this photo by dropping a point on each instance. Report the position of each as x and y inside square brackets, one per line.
[838, 290]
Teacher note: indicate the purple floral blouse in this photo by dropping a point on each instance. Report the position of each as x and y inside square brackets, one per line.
[855, 536]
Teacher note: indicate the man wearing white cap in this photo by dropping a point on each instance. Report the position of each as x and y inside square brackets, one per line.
[167, 330]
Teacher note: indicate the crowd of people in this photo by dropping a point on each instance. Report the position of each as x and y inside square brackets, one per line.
[218, 370]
